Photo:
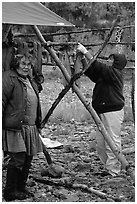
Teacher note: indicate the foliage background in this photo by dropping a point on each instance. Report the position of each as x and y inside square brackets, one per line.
[90, 15]
[93, 14]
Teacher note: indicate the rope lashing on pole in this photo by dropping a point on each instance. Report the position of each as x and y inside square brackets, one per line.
[87, 105]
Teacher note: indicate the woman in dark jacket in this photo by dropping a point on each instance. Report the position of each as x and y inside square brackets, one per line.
[108, 102]
[21, 119]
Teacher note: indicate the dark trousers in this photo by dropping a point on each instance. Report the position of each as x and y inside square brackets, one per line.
[19, 163]
[17, 174]
[19, 160]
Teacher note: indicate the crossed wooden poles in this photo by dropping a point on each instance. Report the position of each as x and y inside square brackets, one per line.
[87, 105]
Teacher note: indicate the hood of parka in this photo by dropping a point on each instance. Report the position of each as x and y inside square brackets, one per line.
[120, 61]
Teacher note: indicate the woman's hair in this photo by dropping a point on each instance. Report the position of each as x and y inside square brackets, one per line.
[15, 60]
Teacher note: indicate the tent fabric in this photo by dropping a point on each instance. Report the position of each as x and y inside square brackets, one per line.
[30, 13]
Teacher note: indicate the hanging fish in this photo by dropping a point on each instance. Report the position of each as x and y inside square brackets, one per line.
[45, 57]
[66, 63]
[7, 53]
[77, 68]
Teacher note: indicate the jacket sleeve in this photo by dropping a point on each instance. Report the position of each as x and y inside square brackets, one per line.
[110, 75]
[39, 113]
[100, 70]
[94, 71]
[7, 88]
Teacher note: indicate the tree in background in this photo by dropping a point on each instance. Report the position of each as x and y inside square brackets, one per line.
[91, 14]
[88, 14]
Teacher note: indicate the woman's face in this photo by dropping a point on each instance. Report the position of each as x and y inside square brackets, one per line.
[24, 66]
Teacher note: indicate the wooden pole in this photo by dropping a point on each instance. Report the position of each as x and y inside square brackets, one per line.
[133, 81]
[56, 102]
[133, 94]
[54, 44]
[82, 187]
[5, 31]
[87, 105]
[70, 32]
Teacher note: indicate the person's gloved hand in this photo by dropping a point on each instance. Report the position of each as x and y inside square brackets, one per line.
[82, 49]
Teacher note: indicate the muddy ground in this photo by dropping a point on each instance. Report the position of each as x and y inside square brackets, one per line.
[76, 130]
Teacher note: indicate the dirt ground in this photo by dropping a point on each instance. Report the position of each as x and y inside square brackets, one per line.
[78, 156]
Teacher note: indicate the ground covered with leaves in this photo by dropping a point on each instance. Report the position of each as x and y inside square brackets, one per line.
[72, 125]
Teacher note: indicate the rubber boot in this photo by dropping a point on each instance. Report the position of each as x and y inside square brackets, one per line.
[10, 192]
[22, 179]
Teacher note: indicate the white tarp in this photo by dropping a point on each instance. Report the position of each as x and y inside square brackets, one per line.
[30, 13]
